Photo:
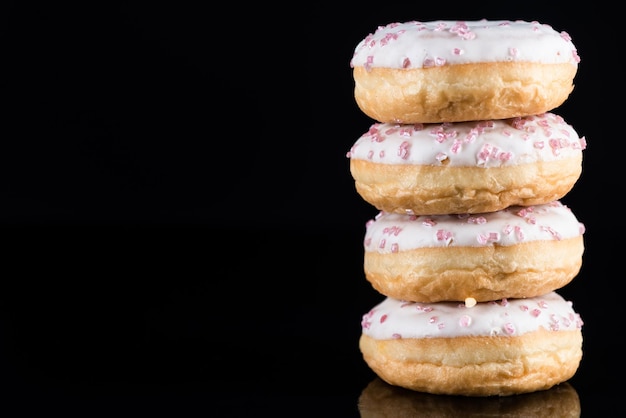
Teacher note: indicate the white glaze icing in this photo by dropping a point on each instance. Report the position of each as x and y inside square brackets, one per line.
[393, 319]
[392, 232]
[492, 143]
[436, 43]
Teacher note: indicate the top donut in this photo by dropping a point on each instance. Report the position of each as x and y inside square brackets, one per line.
[457, 71]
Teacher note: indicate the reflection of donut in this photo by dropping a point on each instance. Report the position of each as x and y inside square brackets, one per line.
[491, 348]
[447, 71]
[513, 253]
[469, 167]
[380, 399]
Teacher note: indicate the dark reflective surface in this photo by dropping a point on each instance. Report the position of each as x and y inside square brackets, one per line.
[180, 230]
[156, 319]
[381, 399]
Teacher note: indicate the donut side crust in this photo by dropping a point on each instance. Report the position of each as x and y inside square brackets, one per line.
[462, 92]
[476, 366]
[437, 274]
[439, 190]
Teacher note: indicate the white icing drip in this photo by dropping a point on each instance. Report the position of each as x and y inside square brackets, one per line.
[392, 232]
[493, 143]
[393, 318]
[436, 43]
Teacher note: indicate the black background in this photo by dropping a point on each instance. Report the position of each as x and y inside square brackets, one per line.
[180, 229]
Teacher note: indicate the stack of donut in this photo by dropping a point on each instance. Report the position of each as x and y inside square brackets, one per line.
[466, 163]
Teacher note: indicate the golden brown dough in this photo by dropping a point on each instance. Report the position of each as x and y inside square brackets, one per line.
[462, 92]
[455, 71]
[476, 366]
[484, 273]
[432, 190]
[517, 252]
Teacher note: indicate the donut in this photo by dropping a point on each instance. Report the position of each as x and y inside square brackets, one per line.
[380, 399]
[517, 252]
[466, 167]
[456, 71]
[504, 347]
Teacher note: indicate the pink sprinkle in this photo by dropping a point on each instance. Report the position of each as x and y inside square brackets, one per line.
[382, 243]
[505, 156]
[383, 318]
[378, 137]
[396, 336]
[509, 328]
[457, 51]
[556, 146]
[403, 150]
[429, 222]
[555, 234]
[579, 322]
[433, 319]
[441, 325]
[456, 147]
[388, 37]
[394, 247]
[535, 312]
[368, 63]
[406, 131]
[518, 123]
[489, 237]
[366, 320]
[471, 136]
[477, 220]
[443, 235]
[428, 62]
[465, 321]
[392, 230]
[406, 63]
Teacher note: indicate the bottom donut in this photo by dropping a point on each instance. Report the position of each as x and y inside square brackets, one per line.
[503, 347]
[380, 399]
